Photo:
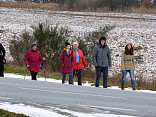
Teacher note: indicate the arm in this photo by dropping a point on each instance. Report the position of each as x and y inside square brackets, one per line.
[3, 50]
[84, 61]
[62, 59]
[94, 56]
[122, 62]
[109, 58]
[40, 57]
[26, 60]
[133, 61]
[72, 60]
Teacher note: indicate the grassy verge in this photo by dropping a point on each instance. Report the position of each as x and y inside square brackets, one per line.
[4, 113]
[86, 76]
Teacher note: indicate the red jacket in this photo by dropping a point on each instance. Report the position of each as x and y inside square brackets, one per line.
[33, 58]
[67, 62]
[82, 61]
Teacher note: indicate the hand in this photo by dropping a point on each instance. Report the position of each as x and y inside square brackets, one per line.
[43, 58]
[87, 67]
[110, 67]
[28, 65]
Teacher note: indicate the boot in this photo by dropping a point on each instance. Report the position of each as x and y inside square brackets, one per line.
[122, 87]
[133, 87]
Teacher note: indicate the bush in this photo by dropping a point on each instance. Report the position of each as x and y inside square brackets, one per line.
[50, 42]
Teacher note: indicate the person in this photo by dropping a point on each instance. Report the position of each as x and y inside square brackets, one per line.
[79, 62]
[101, 60]
[32, 60]
[67, 62]
[128, 65]
[2, 59]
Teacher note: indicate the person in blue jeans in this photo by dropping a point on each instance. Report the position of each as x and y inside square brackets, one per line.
[67, 62]
[128, 65]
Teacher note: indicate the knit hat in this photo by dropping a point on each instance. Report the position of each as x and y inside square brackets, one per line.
[33, 44]
[67, 43]
[128, 43]
[76, 42]
[103, 38]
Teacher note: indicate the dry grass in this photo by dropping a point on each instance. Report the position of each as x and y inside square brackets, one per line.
[55, 6]
[48, 6]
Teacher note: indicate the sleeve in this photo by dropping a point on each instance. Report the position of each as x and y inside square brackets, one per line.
[94, 56]
[84, 61]
[109, 58]
[133, 61]
[122, 62]
[26, 60]
[40, 57]
[72, 60]
[62, 59]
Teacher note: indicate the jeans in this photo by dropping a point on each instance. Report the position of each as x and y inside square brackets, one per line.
[124, 74]
[70, 77]
[79, 75]
[33, 75]
[100, 70]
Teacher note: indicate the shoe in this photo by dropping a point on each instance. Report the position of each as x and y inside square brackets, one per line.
[122, 87]
[133, 87]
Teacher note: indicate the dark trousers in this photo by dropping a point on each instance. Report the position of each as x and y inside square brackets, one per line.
[1, 69]
[1, 73]
[33, 75]
[78, 73]
[100, 70]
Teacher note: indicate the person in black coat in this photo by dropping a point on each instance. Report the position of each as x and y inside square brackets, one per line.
[2, 58]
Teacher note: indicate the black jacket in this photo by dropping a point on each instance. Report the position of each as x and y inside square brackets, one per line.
[2, 53]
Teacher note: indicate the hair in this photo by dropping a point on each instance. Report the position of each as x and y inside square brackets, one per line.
[129, 52]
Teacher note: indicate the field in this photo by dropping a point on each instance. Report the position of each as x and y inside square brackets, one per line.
[129, 27]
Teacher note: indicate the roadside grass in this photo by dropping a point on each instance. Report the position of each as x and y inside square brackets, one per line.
[86, 76]
[4, 113]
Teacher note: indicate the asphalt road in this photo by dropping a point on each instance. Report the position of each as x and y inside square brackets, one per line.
[77, 98]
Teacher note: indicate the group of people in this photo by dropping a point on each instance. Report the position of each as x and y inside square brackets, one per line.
[72, 62]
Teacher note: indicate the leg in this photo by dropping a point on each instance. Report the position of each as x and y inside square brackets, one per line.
[79, 75]
[33, 75]
[71, 78]
[98, 76]
[1, 73]
[124, 74]
[63, 78]
[131, 72]
[105, 75]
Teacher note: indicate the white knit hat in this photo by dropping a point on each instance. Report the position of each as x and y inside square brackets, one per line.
[76, 42]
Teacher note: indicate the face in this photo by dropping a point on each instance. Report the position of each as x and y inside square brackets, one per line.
[129, 46]
[75, 46]
[102, 42]
[34, 48]
[68, 47]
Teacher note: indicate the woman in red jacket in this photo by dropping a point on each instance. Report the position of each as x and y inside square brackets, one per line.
[79, 62]
[32, 60]
[67, 61]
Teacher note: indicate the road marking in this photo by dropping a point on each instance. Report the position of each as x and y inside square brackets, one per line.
[6, 98]
[65, 92]
[110, 108]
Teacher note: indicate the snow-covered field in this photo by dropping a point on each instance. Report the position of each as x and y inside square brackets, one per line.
[140, 29]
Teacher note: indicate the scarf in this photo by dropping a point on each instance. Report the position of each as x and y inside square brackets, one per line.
[77, 55]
